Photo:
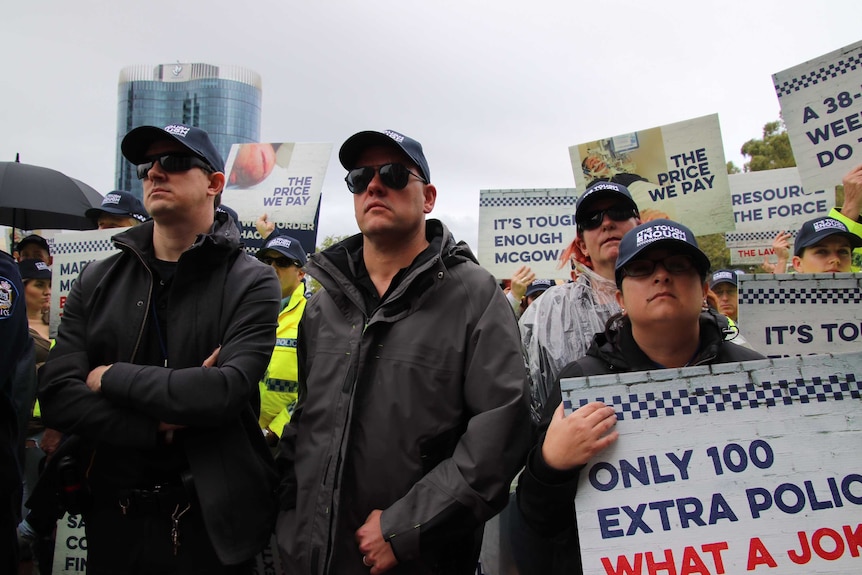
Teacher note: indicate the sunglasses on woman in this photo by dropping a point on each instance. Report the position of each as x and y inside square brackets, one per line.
[675, 264]
[593, 220]
[393, 176]
[172, 164]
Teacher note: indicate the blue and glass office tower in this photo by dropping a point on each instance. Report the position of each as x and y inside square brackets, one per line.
[223, 100]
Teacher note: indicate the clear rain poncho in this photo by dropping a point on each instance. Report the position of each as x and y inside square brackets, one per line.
[558, 328]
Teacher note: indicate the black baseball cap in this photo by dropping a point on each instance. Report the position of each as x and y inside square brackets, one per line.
[120, 203]
[538, 287]
[599, 190]
[33, 239]
[136, 143]
[817, 229]
[34, 270]
[723, 277]
[659, 233]
[286, 246]
[357, 143]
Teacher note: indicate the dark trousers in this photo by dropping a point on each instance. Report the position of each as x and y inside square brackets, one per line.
[140, 542]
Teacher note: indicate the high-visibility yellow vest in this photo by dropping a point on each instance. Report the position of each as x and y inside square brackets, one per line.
[279, 387]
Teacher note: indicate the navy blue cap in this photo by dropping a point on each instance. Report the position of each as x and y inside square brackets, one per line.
[286, 246]
[659, 233]
[34, 270]
[231, 213]
[600, 190]
[120, 203]
[538, 287]
[353, 147]
[33, 239]
[197, 141]
[723, 277]
[817, 229]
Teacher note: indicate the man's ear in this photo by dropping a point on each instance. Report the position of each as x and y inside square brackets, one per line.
[430, 193]
[217, 181]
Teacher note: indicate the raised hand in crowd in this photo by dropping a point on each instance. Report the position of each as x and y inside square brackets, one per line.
[781, 249]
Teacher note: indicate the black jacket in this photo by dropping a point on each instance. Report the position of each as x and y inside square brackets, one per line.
[546, 497]
[219, 297]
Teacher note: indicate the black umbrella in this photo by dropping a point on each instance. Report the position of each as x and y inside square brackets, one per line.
[33, 197]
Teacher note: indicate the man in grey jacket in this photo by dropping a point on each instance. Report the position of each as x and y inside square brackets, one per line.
[413, 413]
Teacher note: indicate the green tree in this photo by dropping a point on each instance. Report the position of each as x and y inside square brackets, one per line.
[771, 152]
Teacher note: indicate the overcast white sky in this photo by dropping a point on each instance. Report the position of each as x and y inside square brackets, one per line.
[495, 91]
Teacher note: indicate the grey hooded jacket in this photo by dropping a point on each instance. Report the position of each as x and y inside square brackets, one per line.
[419, 410]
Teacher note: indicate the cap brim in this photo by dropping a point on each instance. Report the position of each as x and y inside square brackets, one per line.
[701, 261]
[604, 194]
[136, 143]
[353, 147]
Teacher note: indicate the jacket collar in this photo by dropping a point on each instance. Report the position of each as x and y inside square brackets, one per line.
[223, 235]
[617, 346]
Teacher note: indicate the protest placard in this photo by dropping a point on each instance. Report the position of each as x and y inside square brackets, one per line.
[282, 180]
[526, 227]
[789, 314]
[821, 105]
[72, 251]
[728, 468]
[675, 171]
[750, 248]
[70, 546]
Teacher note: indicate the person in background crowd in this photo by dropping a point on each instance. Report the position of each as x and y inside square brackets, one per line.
[661, 280]
[156, 366]
[413, 413]
[781, 250]
[17, 379]
[39, 441]
[33, 247]
[279, 386]
[521, 279]
[850, 213]
[824, 245]
[725, 285]
[537, 288]
[558, 327]
[119, 209]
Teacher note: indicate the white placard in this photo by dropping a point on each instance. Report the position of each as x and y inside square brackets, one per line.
[729, 468]
[526, 227]
[789, 314]
[821, 105]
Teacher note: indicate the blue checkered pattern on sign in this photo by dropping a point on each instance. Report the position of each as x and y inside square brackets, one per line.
[804, 296]
[732, 237]
[732, 398]
[520, 202]
[849, 63]
[82, 247]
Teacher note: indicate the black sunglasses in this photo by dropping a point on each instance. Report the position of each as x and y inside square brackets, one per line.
[393, 176]
[281, 262]
[593, 220]
[675, 264]
[173, 163]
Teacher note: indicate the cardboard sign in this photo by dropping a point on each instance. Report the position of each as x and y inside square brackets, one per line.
[72, 252]
[821, 105]
[729, 468]
[283, 180]
[680, 172]
[70, 546]
[751, 247]
[526, 227]
[801, 314]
